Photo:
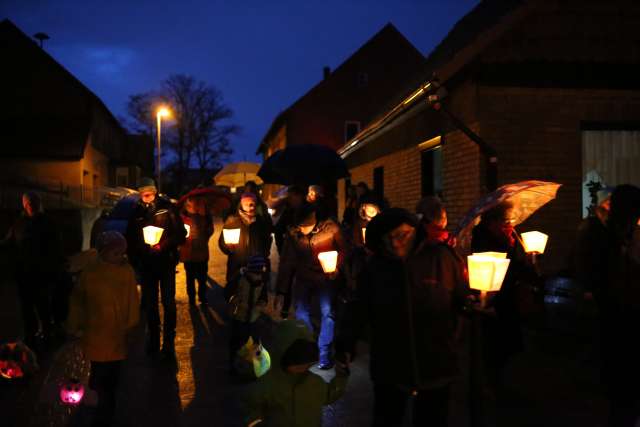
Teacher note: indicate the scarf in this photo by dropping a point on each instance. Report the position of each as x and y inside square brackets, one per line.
[436, 234]
[246, 218]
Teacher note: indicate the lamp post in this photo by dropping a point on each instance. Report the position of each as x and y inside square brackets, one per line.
[162, 112]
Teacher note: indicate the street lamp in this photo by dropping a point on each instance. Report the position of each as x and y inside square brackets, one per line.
[162, 112]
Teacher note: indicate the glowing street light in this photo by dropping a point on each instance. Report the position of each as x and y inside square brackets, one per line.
[162, 112]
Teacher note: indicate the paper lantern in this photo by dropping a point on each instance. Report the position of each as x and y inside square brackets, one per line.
[487, 272]
[188, 228]
[534, 241]
[231, 236]
[328, 261]
[71, 392]
[9, 369]
[271, 211]
[253, 360]
[152, 234]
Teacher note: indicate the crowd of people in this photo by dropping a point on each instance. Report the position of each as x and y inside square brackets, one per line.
[399, 281]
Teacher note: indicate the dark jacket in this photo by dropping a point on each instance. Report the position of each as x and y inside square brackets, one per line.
[196, 245]
[411, 306]
[161, 213]
[37, 245]
[589, 254]
[281, 228]
[299, 258]
[255, 240]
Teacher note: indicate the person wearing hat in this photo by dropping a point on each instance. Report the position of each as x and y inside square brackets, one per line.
[289, 395]
[409, 294]
[591, 248]
[156, 263]
[103, 310]
[309, 237]
[253, 246]
[36, 243]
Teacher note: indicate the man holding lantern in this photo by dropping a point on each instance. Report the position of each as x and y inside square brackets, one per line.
[314, 252]
[154, 232]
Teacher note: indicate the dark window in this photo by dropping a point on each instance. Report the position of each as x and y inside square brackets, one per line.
[351, 129]
[431, 179]
[378, 182]
[362, 80]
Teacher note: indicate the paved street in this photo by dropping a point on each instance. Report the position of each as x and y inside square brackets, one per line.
[554, 383]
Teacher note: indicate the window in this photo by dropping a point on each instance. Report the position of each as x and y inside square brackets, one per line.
[362, 80]
[431, 174]
[378, 182]
[351, 129]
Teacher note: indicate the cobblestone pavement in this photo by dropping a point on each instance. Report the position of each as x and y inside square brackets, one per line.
[553, 383]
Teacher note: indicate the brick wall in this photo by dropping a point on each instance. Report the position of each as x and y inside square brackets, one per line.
[401, 177]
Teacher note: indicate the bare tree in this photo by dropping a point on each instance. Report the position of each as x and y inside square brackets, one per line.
[199, 134]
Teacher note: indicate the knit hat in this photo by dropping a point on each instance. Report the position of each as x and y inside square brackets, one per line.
[147, 184]
[387, 221]
[249, 196]
[110, 240]
[305, 216]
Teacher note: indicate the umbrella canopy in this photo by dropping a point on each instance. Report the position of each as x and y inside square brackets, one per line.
[303, 164]
[236, 174]
[215, 199]
[526, 196]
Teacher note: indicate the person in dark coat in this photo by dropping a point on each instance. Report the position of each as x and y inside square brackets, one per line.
[503, 333]
[351, 205]
[295, 199]
[299, 260]
[410, 294]
[36, 243]
[253, 247]
[621, 308]
[156, 264]
[591, 248]
[194, 253]
[317, 198]
[433, 218]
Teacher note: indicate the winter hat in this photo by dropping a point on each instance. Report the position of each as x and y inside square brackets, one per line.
[317, 189]
[604, 194]
[430, 207]
[305, 216]
[110, 240]
[249, 196]
[301, 352]
[147, 184]
[384, 223]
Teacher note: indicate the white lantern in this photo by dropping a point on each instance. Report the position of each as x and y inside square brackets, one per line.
[271, 211]
[328, 261]
[188, 228]
[152, 234]
[534, 241]
[231, 235]
[486, 271]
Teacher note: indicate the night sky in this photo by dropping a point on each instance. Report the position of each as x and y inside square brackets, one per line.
[262, 55]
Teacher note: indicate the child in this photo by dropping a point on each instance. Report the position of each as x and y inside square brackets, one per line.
[104, 308]
[289, 395]
[194, 253]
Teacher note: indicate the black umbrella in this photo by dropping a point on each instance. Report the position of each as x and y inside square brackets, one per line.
[303, 164]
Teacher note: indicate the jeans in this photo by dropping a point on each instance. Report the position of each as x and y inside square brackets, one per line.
[35, 300]
[166, 280]
[104, 380]
[196, 271]
[323, 294]
[430, 408]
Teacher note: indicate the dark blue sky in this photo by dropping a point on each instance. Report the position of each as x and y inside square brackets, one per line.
[262, 55]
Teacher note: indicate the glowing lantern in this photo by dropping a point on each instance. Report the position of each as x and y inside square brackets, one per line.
[71, 392]
[16, 360]
[152, 234]
[188, 228]
[534, 241]
[271, 211]
[231, 236]
[486, 272]
[328, 261]
[364, 234]
[9, 369]
[253, 359]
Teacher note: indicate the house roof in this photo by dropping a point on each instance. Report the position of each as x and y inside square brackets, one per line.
[469, 36]
[46, 112]
[388, 31]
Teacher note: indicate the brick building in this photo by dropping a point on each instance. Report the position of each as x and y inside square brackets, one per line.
[551, 86]
[348, 98]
